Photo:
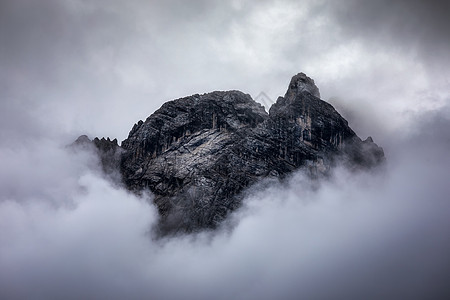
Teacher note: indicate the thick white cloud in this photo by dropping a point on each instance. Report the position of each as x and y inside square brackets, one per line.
[66, 232]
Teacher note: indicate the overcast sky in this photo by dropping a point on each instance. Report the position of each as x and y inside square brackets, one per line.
[72, 67]
[97, 67]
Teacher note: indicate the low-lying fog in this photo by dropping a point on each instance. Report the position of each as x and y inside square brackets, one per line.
[67, 233]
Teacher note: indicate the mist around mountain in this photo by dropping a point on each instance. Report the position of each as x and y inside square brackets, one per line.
[199, 154]
[68, 231]
[74, 67]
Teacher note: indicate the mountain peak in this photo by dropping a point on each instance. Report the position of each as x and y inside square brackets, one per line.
[301, 83]
[198, 154]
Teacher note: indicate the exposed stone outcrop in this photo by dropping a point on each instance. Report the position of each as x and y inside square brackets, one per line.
[197, 154]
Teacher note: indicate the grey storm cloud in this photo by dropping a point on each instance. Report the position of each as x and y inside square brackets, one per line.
[412, 25]
[96, 67]
[72, 66]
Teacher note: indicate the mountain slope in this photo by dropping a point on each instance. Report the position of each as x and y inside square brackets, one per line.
[197, 154]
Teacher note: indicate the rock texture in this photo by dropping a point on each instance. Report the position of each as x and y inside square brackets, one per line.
[197, 154]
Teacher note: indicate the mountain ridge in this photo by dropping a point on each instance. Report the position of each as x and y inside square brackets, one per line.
[197, 154]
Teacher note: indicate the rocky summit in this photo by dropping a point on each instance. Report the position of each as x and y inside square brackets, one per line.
[199, 153]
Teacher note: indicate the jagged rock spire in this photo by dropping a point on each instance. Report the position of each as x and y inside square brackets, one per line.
[302, 83]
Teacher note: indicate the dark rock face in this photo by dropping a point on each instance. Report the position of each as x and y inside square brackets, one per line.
[197, 154]
[305, 121]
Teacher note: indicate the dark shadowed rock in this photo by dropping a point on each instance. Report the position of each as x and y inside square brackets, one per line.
[197, 154]
[300, 84]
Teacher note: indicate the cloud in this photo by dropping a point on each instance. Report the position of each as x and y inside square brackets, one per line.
[70, 67]
[416, 26]
[66, 232]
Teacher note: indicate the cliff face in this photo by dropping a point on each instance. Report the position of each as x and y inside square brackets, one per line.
[307, 121]
[197, 154]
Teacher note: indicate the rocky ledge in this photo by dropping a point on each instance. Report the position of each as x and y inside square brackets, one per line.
[197, 154]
